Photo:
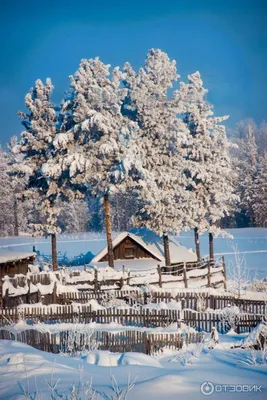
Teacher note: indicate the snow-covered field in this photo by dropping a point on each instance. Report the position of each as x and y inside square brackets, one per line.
[29, 373]
[168, 376]
[251, 243]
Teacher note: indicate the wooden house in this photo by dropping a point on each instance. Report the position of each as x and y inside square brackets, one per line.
[141, 248]
[12, 262]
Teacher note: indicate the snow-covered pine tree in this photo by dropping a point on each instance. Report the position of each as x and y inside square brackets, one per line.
[248, 172]
[262, 138]
[259, 205]
[95, 139]
[73, 217]
[208, 165]
[36, 146]
[148, 103]
[6, 197]
[14, 159]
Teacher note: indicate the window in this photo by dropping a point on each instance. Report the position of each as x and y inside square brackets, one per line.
[129, 251]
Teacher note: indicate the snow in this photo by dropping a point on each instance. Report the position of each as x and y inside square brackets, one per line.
[107, 359]
[10, 256]
[157, 378]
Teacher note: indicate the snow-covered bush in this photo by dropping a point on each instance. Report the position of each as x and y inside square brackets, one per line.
[188, 357]
[80, 342]
[230, 316]
[238, 279]
[258, 285]
[108, 299]
[82, 390]
[201, 302]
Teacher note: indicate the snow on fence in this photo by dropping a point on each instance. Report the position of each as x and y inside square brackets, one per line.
[85, 314]
[66, 342]
[32, 287]
[198, 301]
[141, 317]
[205, 321]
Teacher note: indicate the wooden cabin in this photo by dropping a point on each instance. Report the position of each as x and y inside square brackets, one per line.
[12, 262]
[141, 248]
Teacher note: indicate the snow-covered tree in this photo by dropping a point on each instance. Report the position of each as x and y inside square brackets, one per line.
[36, 146]
[94, 139]
[161, 133]
[248, 172]
[73, 217]
[259, 203]
[208, 166]
[6, 197]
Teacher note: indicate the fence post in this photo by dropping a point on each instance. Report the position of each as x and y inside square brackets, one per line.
[212, 302]
[121, 283]
[128, 278]
[54, 293]
[84, 268]
[28, 295]
[147, 344]
[6, 299]
[224, 274]
[209, 274]
[160, 277]
[185, 276]
[96, 280]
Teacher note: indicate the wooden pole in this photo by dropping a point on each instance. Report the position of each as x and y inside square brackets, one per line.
[211, 249]
[108, 231]
[224, 274]
[209, 274]
[166, 249]
[185, 277]
[160, 278]
[54, 251]
[197, 244]
[96, 286]
[54, 293]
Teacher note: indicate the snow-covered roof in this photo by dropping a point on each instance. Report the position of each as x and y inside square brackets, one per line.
[10, 256]
[153, 243]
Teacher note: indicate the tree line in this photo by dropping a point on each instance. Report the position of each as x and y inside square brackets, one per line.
[140, 146]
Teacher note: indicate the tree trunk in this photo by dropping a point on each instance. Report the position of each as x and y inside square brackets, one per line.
[211, 248]
[108, 231]
[166, 249]
[54, 252]
[197, 244]
[16, 222]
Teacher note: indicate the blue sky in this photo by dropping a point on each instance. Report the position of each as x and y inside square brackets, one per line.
[225, 40]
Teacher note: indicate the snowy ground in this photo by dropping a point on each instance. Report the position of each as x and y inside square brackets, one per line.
[251, 242]
[163, 377]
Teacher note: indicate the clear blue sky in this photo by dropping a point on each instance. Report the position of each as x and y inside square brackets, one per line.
[225, 40]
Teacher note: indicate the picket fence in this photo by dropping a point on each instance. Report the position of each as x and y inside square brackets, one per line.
[141, 317]
[70, 343]
[205, 321]
[85, 314]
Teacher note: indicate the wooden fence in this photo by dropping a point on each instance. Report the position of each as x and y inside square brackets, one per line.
[198, 301]
[184, 275]
[85, 314]
[66, 342]
[201, 321]
[205, 321]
